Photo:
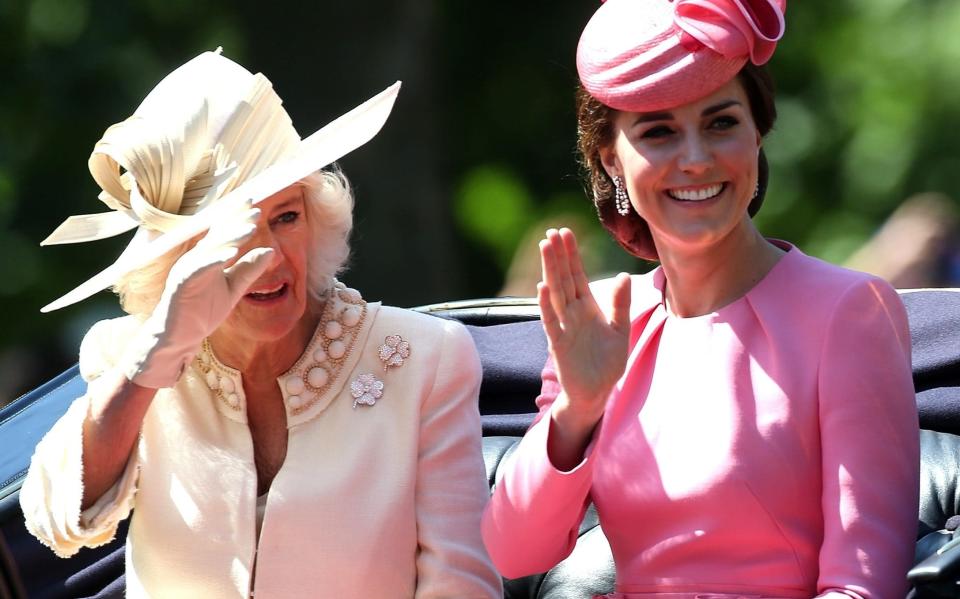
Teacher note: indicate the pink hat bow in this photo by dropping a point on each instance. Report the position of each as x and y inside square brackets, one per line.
[647, 55]
[732, 28]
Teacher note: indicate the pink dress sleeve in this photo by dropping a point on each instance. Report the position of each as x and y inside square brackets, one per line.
[533, 517]
[870, 447]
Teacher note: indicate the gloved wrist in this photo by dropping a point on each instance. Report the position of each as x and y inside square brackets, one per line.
[155, 360]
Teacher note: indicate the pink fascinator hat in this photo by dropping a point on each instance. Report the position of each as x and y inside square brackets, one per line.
[648, 55]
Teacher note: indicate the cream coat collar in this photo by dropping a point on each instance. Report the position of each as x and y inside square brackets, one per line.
[318, 375]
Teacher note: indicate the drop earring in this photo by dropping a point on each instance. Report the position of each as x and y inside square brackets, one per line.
[621, 199]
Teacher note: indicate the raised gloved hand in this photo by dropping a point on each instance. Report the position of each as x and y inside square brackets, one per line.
[199, 294]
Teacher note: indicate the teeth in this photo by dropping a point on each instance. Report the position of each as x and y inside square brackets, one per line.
[268, 291]
[696, 195]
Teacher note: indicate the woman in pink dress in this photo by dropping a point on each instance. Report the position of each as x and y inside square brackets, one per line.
[743, 416]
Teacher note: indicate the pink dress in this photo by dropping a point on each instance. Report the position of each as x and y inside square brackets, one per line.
[769, 449]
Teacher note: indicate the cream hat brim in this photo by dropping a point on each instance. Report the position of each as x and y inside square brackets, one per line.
[329, 144]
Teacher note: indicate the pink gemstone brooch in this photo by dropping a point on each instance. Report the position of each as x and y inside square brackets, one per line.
[394, 351]
[366, 389]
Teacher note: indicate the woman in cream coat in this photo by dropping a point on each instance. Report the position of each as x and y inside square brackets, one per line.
[272, 432]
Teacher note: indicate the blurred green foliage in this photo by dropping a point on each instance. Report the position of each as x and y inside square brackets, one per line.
[480, 147]
[494, 208]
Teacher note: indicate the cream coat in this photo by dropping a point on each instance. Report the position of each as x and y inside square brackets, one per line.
[372, 501]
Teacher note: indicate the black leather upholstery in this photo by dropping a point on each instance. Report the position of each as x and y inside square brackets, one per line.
[939, 476]
[10, 586]
[586, 572]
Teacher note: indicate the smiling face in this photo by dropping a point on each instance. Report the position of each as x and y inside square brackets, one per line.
[276, 303]
[690, 171]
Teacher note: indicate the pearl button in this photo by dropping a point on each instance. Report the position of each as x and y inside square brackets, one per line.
[212, 380]
[351, 316]
[295, 401]
[350, 295]
[336, 350]
[333, 330]
[317, 377]
[319, 355]
[233, 399]
[226, 384]
[293, 385]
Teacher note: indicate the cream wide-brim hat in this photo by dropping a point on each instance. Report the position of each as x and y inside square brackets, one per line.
[209, 136]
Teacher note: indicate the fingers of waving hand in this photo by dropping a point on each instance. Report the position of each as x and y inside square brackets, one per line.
[222, 244]
[588, 352]
[565, 283]
[577, 275]
[230, 233]
[563, 274]
[201, 270]
[218, 246]
[548, 316]
[588, 347]
[556, 269]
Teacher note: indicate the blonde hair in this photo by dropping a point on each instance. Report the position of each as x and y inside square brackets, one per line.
[328, 201]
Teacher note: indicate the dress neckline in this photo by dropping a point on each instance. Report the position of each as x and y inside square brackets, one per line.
[660, 282]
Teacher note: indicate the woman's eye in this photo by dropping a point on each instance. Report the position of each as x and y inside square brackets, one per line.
[724, 122]
[290, 216]
[658, 132]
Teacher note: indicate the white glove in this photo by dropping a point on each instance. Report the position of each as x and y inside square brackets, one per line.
[198, 296]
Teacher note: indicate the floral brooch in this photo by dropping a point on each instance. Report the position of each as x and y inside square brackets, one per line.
[394, 351]
[366, 389]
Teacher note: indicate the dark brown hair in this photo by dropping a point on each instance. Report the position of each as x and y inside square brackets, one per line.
[595, 131]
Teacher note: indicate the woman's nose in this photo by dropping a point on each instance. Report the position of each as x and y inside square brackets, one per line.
[263, 237]
[695, 155]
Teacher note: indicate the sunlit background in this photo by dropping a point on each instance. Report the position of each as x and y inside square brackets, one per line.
[478, 156]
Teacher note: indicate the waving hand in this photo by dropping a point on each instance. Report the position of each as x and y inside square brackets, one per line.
[588, 348]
